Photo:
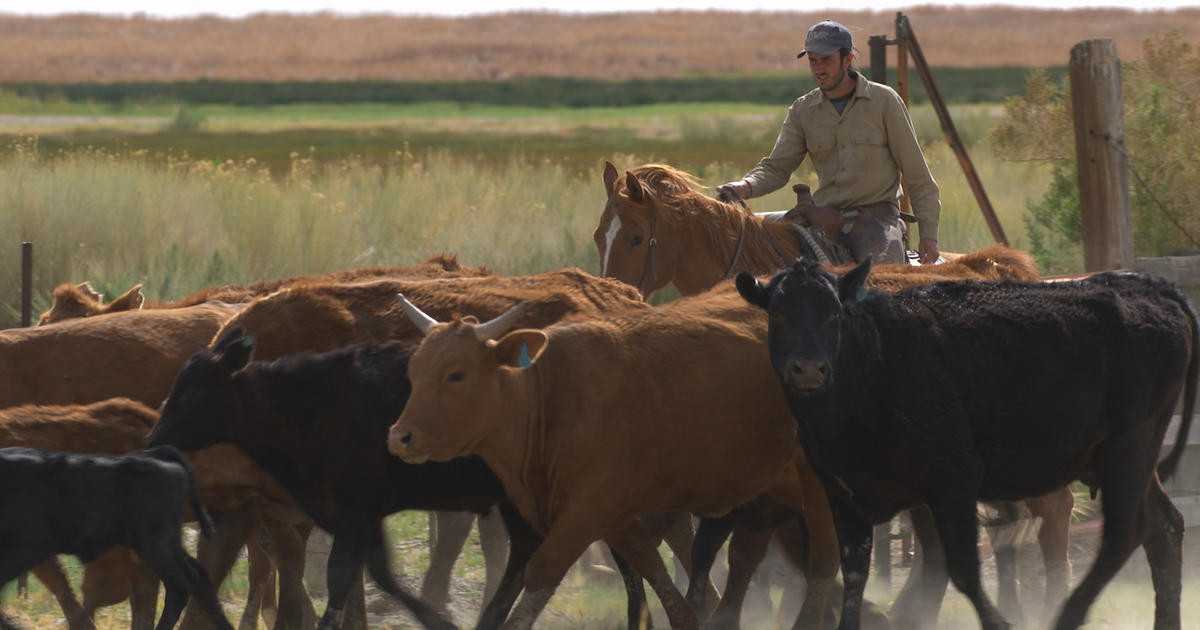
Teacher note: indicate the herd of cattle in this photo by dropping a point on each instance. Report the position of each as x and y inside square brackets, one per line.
[795, 402]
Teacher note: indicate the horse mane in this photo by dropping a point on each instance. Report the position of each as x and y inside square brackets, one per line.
[717, 222]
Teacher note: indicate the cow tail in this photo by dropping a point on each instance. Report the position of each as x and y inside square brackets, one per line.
[1167, 466]
[202, 516]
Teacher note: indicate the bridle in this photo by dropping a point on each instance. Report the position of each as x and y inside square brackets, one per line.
[648, 269]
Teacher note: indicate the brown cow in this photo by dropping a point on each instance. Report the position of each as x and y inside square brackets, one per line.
[71, 301]
[133, 354]
[322, 317]
[596, 421]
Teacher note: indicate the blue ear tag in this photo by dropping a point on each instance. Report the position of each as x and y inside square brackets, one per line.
[861, 294]
[524, 360]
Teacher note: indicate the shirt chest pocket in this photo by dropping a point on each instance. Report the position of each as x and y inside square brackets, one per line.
[867, 136]
[821, 143]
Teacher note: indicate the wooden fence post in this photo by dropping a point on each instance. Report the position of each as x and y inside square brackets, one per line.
[1100, 155]
[26, 284]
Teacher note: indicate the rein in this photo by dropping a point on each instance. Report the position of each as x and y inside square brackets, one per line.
[737, 251]
[742, 235]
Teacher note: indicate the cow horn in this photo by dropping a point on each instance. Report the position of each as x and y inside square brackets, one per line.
[492, 329]
[416, 315]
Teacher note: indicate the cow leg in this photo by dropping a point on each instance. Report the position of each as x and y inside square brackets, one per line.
[182, 576]
[522, 541]
[1004, 534]
[117, 575]
[50, 573]
[958, 527]
[1054, 510]
[920, 598]
[636, 608]
[143, 594]
[566, 541]
[1125, 474]
[371, 545]
[636, 547]
[493, 543]
[855, 537]
[824, 555]
[1006, 584]
[711, 535]
[1164, 553]
[205, 592]
[453, 528]
[747, 548]
[260, 574]
[217, 554]
[680, 536]
[288, 544]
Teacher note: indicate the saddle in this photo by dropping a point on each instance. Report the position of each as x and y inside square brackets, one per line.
[818, 225]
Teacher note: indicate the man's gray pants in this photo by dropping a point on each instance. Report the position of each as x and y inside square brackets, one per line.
[878, 232]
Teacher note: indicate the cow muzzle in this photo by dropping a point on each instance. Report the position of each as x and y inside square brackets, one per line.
[808, 375]
[400, 444]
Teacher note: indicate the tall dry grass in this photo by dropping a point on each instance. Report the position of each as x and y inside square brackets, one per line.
[179, 224]
[658, 44]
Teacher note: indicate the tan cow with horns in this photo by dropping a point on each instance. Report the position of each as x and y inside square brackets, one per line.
[593, 422]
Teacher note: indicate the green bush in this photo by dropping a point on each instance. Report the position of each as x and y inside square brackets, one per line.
[1162, 142]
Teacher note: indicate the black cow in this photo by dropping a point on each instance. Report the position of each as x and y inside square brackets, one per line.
[958, 391]
[318, 423]
[83, 505]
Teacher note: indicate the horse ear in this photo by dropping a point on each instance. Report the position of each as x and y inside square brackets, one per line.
[610, 178]
[637, 194]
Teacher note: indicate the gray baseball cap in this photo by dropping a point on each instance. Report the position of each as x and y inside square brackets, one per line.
[826, 38]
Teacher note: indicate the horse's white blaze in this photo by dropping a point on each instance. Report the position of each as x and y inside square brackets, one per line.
[609, 236]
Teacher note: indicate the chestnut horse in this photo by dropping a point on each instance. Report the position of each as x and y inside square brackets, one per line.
[657, 229]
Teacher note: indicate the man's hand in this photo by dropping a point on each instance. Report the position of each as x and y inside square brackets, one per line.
[733, 191]
[927, 251]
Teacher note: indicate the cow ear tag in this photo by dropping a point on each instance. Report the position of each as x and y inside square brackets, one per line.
[524, 360]
[860, 294]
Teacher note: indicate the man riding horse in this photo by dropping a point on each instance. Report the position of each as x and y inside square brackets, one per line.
[861, 141]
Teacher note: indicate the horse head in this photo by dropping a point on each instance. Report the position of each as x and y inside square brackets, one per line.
[640, 234]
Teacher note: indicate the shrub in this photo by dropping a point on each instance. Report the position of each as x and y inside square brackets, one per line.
[1162, 141]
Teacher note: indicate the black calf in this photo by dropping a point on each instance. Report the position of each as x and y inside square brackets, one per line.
[63, 503]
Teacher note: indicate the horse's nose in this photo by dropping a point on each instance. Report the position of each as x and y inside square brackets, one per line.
[808, 374]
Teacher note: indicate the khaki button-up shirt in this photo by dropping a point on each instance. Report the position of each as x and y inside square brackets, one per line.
[858, 155]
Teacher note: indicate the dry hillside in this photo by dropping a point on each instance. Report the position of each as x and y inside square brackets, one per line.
[664, 44]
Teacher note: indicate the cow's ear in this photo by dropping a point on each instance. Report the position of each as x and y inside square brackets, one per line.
[637, 193]
[751, 290]
[610, 178]
[237, 354]
[520, 348]
[86, 289]
[851, 286]
[131, 300]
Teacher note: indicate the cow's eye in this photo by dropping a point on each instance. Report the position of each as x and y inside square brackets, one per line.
[635, 241]
[455, 377]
